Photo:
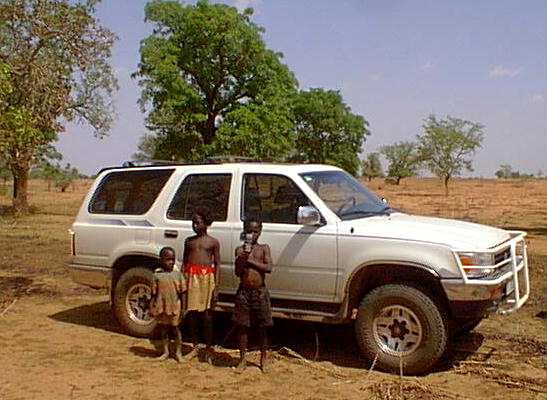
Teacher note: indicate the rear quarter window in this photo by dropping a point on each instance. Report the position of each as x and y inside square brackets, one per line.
[128, 192]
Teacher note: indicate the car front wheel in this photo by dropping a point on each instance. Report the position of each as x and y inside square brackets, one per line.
[400, 326]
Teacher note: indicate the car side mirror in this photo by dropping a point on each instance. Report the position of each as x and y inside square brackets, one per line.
[384, 200]
[308, 215]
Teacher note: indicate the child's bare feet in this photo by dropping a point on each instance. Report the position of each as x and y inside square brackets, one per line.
[190, 355]
[209, 355]
[178, 352]
[165, 351]
[241, 365]
[264, 362]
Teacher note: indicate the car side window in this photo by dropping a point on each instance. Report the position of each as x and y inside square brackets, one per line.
[273, 198]
[128, 192]
[209, 190]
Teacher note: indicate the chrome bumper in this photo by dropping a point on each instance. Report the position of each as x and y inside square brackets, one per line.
[90, 275]
[504, 290]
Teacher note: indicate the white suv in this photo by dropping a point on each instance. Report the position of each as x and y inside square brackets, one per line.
[340, 253]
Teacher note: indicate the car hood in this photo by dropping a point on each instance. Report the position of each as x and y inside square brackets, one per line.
[458, 235]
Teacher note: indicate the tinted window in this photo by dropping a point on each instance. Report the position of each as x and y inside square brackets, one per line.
[274, 198]
[128, 192]
[209, 190]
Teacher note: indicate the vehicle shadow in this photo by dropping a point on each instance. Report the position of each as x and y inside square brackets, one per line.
[97, 315]
[313, 341]
[463, 348]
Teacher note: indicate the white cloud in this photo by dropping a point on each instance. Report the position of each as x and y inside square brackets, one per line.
[428, 66]
[538, 98]
[243, 4]
[499, 71]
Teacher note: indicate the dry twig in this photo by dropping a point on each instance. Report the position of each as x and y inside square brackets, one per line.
[8, 307]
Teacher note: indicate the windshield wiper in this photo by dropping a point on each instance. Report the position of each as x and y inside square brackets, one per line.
[364, 213]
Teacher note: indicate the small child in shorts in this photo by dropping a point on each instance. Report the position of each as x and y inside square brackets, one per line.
[167, 304]
[201, 267]
[252, 309]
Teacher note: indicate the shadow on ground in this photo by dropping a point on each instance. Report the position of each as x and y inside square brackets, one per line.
[97, 315]
[313, 341]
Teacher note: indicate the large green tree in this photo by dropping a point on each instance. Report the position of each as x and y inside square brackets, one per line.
[447, 145]
[326, 129]
[403, 160]
[56, 65]
[211, 86]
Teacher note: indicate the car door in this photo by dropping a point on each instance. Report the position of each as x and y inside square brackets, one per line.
[211, 190]
[304, 257]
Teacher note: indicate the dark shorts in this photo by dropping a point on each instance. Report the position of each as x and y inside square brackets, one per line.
[252, 306]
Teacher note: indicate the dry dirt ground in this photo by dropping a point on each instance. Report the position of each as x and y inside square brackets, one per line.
[59, 341]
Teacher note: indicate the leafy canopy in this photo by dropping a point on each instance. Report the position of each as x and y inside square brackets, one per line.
[326, 129]
[402, 158]
[447, 145]
[372, 167]
[210, 84]
[54, 64]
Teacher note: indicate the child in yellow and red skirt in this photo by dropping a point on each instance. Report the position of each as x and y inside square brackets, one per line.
[167, 304]
[201, 267]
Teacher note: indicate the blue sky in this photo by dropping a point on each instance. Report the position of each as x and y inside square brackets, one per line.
[395, 62]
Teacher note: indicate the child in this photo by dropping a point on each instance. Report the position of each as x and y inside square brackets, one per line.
[201, 266]
[166, 306]
[252, 302]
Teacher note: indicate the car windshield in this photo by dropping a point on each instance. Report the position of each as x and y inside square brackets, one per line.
[344, 195]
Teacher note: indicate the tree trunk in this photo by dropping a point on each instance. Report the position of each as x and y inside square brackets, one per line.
[398, 181]
[20, 187]
[210, 129]
[445, 180]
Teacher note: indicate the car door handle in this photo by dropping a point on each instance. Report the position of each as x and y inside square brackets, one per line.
[170, 233]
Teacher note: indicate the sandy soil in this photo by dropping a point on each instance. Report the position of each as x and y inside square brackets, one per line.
[59, 341]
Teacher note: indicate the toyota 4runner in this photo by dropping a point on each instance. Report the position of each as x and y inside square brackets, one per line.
[341, 255]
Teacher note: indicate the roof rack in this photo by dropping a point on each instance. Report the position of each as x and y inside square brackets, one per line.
[229, 159]
[159, 163]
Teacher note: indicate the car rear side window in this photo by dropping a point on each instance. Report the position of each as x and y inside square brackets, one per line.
[209, 190]
[128, 192]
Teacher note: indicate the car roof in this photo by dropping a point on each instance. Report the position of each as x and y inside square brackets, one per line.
[243, 167]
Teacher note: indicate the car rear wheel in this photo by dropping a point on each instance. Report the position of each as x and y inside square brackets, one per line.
[399, 325]
[131, 302]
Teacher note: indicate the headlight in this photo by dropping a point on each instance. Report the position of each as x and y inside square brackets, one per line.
[476, 259]
[478, 265]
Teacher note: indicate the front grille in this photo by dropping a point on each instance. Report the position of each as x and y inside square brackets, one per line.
[496, 273]
[502, 255]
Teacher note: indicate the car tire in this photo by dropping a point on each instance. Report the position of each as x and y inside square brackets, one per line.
[400, 326]
[131, 301]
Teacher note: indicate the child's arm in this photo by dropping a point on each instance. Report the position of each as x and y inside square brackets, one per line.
[155, 286]
[185, 254]
[240, 261]
[264, 265]
[216, 260]
[216, 263]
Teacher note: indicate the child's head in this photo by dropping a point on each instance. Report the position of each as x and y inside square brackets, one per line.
[167, 258]
[201, 219]
[253, 226]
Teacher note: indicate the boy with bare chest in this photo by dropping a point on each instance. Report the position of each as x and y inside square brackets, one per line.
[252, 302]
[201, 266]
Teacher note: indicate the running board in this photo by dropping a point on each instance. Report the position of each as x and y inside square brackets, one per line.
[289, 313]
